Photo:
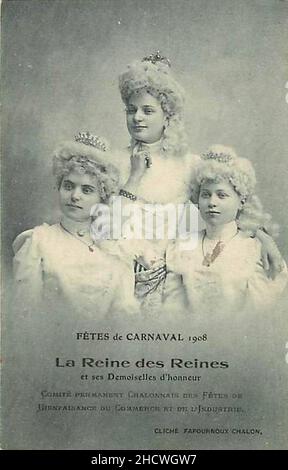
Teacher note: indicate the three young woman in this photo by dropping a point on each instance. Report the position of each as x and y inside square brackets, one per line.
[157, 168]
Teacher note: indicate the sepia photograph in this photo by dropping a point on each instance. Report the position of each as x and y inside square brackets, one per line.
[144, 225]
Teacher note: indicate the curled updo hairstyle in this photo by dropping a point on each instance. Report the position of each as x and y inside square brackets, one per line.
[85, 159]
[221, 163]
[157, 80]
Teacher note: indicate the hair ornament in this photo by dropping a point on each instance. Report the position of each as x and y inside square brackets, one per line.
[93, 160]
[153, 76]
[222, 163]
[157, 57]
[92, 140]
[86, 164]
[220, 157]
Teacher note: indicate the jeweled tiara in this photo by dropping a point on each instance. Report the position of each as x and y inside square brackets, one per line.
[220, 157]
[157, 57]
[93, 140]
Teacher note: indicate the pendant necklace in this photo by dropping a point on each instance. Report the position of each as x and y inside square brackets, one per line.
[80, 233]
[209, 258]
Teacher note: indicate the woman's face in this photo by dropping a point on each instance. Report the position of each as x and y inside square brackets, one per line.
[218, 203]
[145, 117]
[77, 194]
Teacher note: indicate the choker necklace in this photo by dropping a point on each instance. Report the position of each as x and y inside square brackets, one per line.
[209, 258]
[80, 233]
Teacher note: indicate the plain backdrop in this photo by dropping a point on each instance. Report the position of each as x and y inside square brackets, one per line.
[60, 65]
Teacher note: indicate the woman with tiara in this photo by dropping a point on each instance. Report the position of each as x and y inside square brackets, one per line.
[161, 169]
[224, 273]
[62, 265]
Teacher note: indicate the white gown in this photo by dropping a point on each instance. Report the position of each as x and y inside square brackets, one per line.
[53, 268]
[167, 180]
[235, 281]
[167, 183]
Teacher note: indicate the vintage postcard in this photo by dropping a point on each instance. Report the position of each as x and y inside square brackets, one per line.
[144, 224]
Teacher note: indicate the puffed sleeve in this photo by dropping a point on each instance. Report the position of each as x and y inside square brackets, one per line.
[27, 269]
[262, 291]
